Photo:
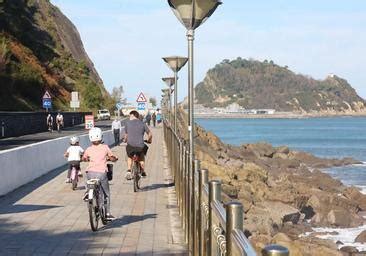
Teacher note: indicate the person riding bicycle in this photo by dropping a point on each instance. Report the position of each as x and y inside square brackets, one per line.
[73, 154]
[97, 155]
[49, 122]
[135, 130]
[59, 121]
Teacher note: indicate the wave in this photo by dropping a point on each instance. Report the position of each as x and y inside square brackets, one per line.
[345, 235]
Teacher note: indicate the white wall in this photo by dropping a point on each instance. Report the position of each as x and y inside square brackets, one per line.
[22, 165]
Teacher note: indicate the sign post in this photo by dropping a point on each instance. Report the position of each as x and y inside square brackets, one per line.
[46, 101]
[74, 103]
[89, 122]
[141, 102]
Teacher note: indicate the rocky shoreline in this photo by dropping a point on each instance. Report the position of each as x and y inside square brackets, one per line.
[285, 194]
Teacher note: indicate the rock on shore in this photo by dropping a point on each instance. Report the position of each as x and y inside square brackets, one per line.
[283, 192]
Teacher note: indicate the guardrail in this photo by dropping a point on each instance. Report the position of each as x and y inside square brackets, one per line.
[211, 227]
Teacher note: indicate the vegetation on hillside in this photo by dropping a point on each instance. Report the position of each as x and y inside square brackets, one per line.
[41, 50]
[255, 84]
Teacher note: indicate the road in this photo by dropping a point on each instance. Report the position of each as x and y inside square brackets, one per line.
[14, 142]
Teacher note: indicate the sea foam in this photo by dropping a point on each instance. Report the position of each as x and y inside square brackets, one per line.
[345, 235]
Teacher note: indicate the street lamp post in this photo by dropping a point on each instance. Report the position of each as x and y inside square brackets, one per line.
[169, 82]
[175, 63]
[192, 13]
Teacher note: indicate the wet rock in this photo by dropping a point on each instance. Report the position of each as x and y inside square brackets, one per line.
[361, 238]
[349, 249]
[355, 195]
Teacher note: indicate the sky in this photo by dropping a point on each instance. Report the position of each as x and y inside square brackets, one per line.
[126, 39]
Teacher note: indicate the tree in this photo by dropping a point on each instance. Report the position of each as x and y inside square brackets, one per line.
[117, 95]
[153, 101]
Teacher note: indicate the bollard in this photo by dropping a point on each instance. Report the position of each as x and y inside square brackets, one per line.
[234, 221]
[275, 250]
[203, 180]
[2, 129]
[214, 194]
[197, 167]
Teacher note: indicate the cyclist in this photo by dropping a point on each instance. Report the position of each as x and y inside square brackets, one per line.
[135, 130]
[50, 122]
[97, 155]
[59, 121]
[73, 154]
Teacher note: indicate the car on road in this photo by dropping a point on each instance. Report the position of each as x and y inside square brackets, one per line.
[103, 114]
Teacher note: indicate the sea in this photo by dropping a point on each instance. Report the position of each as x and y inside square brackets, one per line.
[336, 137]
[333, 137]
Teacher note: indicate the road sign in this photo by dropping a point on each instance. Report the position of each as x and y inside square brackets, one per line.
[46, 95]
[74, 104]
[141, 98]
[89, 122]
[74, 96]
[46, 103]
[141, 106]
[119, 105]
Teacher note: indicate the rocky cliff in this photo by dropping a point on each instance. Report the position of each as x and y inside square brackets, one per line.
[255, 84]
[284, 192]
[40, 49]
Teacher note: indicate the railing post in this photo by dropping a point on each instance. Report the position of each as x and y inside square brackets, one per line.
[213, 195]
[275, 250]
[234, 220]
[203, 180]
[197, 167]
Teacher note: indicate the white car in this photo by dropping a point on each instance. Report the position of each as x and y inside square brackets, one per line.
[103, 114]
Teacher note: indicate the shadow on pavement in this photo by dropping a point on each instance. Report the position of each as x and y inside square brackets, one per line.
[128, 219]
[17, 194]
[157, 186]
[26, 208]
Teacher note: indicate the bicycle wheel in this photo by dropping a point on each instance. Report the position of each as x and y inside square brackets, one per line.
[74, 179]
[135, 174]
[102, 210]
[93, 214]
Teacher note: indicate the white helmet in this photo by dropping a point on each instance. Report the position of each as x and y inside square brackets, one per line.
[74, 140]
[95, 134]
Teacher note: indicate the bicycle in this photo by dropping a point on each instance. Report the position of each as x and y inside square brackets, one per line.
[74, 177]
[136, 170]
[59, 125]
[96, 198]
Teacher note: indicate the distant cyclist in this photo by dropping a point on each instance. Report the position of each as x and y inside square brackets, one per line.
[73, 154]
[59, 121]
[97, 155]
[50, 122]
[135, 130]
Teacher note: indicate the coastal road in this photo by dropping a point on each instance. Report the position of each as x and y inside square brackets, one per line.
[14, 142]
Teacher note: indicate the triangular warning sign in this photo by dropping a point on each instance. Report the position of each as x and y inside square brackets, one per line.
[46, 95]
[141, 98]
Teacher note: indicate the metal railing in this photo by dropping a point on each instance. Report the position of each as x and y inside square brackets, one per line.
[210, 227]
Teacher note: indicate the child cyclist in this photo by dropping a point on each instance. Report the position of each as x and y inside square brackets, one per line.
[97, 155]
[73, 154]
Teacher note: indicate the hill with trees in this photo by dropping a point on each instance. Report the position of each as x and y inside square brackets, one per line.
[40, 49]
[264, 85]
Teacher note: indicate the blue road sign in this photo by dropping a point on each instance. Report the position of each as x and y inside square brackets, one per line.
[119, 105]
[47, 103]
[141, 106]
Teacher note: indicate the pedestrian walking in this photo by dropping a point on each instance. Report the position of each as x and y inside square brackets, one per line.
[148, 118]
[116, 128]
[153, 117]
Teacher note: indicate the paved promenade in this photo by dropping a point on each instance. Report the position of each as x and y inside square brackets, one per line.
[46, 217]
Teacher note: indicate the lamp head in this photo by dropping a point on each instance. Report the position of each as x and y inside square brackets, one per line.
[192, 13]
[170, 81]
[175, 63]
